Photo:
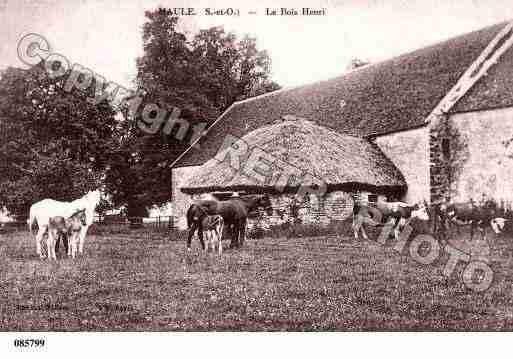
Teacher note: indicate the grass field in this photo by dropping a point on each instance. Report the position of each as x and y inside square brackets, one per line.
[126, 282]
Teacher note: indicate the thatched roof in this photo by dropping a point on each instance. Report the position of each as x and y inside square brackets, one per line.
[384, 97]
[339, 160]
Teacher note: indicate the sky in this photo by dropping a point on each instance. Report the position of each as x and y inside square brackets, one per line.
[106, 35]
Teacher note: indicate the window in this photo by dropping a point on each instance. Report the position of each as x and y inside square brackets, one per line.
[446, 148]
[373, 198]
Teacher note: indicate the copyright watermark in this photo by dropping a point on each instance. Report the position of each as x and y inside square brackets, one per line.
[425, 249]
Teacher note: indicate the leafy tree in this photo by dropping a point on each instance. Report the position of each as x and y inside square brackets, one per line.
[202, 77]
[54, 144]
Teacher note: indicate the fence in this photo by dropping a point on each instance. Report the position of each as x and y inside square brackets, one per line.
[137, 222]
[106, 223]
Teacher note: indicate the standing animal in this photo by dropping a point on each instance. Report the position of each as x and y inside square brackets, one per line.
[475, 216]
[59, 226]
[234, 212]
[41, 212]
[383, 212]
[213, 230]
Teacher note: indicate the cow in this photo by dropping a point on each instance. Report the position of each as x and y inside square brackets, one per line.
[384, 212]
[475, 216]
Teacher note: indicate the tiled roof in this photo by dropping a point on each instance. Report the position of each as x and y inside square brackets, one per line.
[393, 95]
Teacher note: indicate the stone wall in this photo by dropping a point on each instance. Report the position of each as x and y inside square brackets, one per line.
[335, 206]
[440, 172]
[482, 155]
[181, 201]
[409, 151]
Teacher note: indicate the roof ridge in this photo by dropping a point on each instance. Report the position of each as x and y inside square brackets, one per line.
[488, 57]
[394, 71]
[369, 65]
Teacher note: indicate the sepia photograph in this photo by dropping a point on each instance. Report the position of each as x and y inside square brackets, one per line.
[246, 167]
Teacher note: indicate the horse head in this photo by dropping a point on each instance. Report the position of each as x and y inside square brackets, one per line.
[81, 215]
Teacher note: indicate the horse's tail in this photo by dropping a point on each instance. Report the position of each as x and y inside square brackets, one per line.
[188, 216]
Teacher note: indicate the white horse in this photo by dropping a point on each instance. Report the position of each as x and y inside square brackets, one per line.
[42, 211]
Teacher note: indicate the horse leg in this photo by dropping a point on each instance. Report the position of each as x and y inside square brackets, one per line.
[72, 245]
[213, 240]
[235, 235]
[355, 228]
[397, 226]
[39, 238]
[191, 233]
[50, 245]
[364, 234]
[242, 232]
[219, 240]
[209, 240]
[200, 235]
[360, 227]
[57, 242]
[65, 241]
[81, 238]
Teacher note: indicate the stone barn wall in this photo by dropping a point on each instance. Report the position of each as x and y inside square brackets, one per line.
[335, 206]
[482, 158]
[181, 201]
[409, 151]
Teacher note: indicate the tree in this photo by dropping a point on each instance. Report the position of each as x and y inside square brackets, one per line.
[201, 77]
[54, 143]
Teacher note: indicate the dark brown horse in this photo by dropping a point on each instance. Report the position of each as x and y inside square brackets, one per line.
[234, 212]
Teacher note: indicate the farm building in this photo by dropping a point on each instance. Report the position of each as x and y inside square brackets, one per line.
[345, 163]
[433, 124]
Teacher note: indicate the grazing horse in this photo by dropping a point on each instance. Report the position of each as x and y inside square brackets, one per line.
[398, 212]
[60, 227]
[461, 214]
[234, 212]
[42, 211]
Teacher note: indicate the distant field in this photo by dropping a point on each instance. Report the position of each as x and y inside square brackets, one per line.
[126, 282]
